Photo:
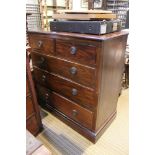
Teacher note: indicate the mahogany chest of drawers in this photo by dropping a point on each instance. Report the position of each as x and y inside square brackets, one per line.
[78, 77]
[33, 119]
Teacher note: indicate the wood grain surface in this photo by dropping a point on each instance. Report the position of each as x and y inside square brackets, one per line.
[69, 108]
[33, 119]
[84, 96]
[106, 57]
[43, 44]
[85, 53]
[81, 36]
[84, 75]
[84, 11]
[84, 16]
[62, 140]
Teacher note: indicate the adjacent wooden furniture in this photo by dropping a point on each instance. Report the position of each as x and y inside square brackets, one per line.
[33, 119]
[78, 77]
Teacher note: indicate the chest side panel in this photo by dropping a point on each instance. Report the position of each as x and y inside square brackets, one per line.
[110, 73]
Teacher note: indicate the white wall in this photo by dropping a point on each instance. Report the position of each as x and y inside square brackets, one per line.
[76, 5]
[48, 2]
[31, 1]
[51, 2]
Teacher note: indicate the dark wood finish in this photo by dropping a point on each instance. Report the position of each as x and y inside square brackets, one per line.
[79, 73]
[102, 57]
[27, 88]
[112, 59]
[69, 108]
[81, 52]
[42, 44]
[91, 135]
[33, 119]
[82, 37]
[29, 107]
[32, 125]
[84, 95]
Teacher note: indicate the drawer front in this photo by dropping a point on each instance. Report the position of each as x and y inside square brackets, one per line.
[29, 106]
[84, 53]
[66, 88]
[43, 44]
[32, 125]
[67, 107]
[78, 73]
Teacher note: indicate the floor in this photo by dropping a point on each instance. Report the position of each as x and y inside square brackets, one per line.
[62, 140]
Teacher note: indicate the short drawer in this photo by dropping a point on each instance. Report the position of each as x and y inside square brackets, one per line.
[42, 44]
[75, 92]
[76, 72]
[32, 125]
[84, 53]
[29, 106]
[67, 107]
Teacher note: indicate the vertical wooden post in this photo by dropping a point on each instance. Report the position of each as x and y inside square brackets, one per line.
[54, 6]
[41, 14]
[46, 17]
[90, 4]
[67, 4]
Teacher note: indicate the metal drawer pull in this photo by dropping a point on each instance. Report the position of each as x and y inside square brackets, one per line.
[73, 70]
[74, 113]
[74, 91]
[73, 50]
[43, 78]
[40, 62]
[40, 43]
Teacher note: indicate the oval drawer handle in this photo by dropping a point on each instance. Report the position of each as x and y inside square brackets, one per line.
[73, 70]
[74, 113]
[73, 50]
[40, 62]
[74, 91]
[40, 43]
[43, 78]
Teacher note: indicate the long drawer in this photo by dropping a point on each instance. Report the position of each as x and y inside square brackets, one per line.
[41, 43]
[67, 107]
[71, 90]
[76, 72]
[81, 52]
